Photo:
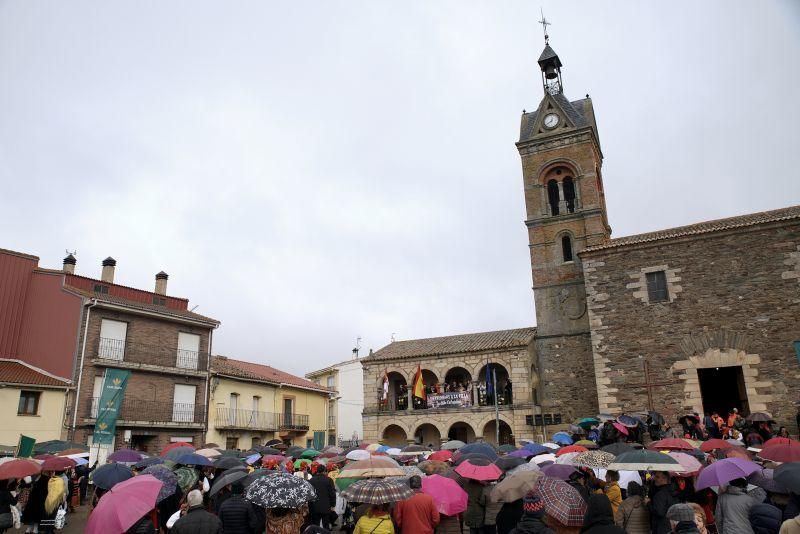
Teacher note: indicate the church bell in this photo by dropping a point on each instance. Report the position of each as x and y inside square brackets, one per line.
[550, 72]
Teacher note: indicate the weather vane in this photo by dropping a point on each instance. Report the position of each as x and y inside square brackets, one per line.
[544, 24]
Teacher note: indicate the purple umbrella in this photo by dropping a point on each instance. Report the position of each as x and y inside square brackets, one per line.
[721, 472]
[521, 453]
[127, 456]
[559, 471]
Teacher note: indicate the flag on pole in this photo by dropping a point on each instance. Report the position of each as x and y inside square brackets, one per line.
[489, 384]
[419, 387]
[385, 385]
[25, 446]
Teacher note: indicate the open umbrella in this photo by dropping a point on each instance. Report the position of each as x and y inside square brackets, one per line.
[108, 475]
[73, 451]
[453, 445]
[377, 491]
[194, 459]
[520, 453]
[449, 497]
[433, 467]
[58, 463]
[124, 505]
[723, 471]
[605, 417]
[566, 459]
[309, 453]
[689, 464]
[147, 462]
[125, 456]
[506, 463]
[441, 456]
[760, 417]
[374, 467]
[684, 419]
[187, 478]
[535, 448]
[295, 451]
[789, 476]
[570, 448]
[562, 502]
[298, 464]
[358, 454]
[617, 448]
[562, 438]
[737, 452]
[514, 486]
[470, 469]
[622, 429]
[56, 445]
[644, 460]
[714, 443]
[413, 450]
[594, 459]
[176, 452]
[458, 459]
[334, 449]
[766, 479]
[480, 448]
[559, 471]
[393, 451]
[273, 442]
[671, 444]
[782, 452]
[589, 444]
[226, 462]
[587, 422]
[524, 467]
[19, 469]
[229, 477]
[168, 480]
[178, 444]
[505, 449]
[209, 453]
[542, 458]
[628, 421]
[576, 430]
[373, 447]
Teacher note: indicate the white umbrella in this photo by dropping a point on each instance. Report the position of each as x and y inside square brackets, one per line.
[358, 454]
[541, 458]
[625, 477]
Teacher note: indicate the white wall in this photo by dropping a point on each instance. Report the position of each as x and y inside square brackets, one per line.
[351, 400]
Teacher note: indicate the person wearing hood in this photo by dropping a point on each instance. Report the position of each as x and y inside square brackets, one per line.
[532, 521]
[765, 519]
[681, 519]
[733, 507]
[599, 518]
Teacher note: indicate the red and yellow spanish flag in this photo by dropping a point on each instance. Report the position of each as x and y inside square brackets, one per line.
[419, 387]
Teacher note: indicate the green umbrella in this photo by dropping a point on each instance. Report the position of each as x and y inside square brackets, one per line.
[310, 453]
[187, 477]
[587, 422]
[299, 463]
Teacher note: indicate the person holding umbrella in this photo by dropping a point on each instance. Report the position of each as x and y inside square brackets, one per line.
[417, 514]
[325, 503]
[196, 520]
[236, 514]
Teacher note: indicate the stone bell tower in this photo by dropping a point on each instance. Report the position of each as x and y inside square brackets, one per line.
[561, 168]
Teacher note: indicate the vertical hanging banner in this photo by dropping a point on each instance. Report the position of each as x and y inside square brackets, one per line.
[114, 384]
[797, 350]
[25, 446]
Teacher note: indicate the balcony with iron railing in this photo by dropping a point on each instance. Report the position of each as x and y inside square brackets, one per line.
[293, 421]
[118, 350]
[147, 412]
[246, 419]
[331, 422]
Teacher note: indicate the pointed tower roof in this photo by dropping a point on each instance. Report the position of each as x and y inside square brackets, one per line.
[549, 55]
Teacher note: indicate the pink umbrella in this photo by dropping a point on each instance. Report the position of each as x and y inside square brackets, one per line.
[468, 469]
[449, 497]
[622, 429]
[123, 505]
[689, 464]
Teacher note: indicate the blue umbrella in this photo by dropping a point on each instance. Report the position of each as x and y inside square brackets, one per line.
[480, 448]
[562, 438]
[535, 449]
[628, 421]
[194, 459]
[147, 462]
[383, 448]
[106, 476]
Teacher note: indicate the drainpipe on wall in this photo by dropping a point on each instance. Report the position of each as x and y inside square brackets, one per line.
[208, 384]
[80, 371]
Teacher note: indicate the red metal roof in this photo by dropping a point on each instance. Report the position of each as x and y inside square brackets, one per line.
[256, 371]
[18, 372]
[130, 293]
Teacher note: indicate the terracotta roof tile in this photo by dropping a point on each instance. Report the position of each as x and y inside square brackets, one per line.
[19, 372]
[751, 219]
[256, 371]
[142, 305]
[478, 342]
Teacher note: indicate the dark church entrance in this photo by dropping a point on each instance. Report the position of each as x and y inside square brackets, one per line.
[723, 388]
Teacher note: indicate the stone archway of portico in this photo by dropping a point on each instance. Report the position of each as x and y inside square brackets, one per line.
[476, 370]
[394, 422]
[722, 357]
[486, 420]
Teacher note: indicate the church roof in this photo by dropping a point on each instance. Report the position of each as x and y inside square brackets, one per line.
[741, 221]
[434, 346]
[577, 111]
[548, 53]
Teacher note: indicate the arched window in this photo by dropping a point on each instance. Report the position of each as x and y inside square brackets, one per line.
[566, 248]
[569, 194]
[553, 196]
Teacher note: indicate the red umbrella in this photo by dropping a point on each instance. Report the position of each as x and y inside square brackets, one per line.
[715, 443]
[676, 444]
[782, 452]
[441, 456]
[619, 426]
[571, 448]
[778, 441]
[58, 463]
[478, 472]
[174, 446]
[19, 469]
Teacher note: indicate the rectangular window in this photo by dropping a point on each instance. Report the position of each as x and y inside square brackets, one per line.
[255, 442]
[159, 301]
[188, 349]
[288, 408]
[28, 403]
[231, 443]
[183, 403]
[331, 381]
[99, 288]
[657, 286]
[112, 339]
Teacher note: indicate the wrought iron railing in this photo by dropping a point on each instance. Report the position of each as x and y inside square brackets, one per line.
[165, 356]
[154, 411]
[246, 419]
[293, 421]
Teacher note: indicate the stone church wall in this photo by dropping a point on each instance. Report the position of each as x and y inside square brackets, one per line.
[734, 299]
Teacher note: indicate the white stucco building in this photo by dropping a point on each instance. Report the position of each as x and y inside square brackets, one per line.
[347, 379]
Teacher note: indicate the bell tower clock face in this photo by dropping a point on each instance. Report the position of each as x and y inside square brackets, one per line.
[551, 120]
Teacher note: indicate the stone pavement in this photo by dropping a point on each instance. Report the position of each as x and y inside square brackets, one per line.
[76, 522]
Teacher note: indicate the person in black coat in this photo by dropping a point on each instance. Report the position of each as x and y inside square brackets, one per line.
[599, 518]
[237, 515]
[325, 502]
[532, 521]
[6, 499]
[661, 496]
[765, 519]
[508, 516]
[197, 520]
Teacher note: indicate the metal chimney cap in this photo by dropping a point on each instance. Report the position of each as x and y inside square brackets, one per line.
[109, 262]
[162, 276]
[70, 260]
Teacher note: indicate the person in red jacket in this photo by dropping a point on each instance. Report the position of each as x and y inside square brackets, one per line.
[417, 515]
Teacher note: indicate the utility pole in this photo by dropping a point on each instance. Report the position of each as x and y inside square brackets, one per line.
[496, 408]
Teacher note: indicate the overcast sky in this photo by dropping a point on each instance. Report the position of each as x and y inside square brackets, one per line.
[311, 172]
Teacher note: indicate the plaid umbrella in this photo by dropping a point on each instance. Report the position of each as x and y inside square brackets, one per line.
[515, 486]
[374, 467]
[645, 460]
[281, 490]
[562, 502]
[187, 477]
[617, 448]
[167, 478]
[593, 459]
[377, 491]
[433, 467]
[475, 471]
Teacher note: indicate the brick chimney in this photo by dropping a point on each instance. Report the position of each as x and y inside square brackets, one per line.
[69, 264]
[108, 270]
[161, 283]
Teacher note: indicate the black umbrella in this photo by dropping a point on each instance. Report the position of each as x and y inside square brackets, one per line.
[684, 418]
[106, 476]
[765, 479]
[760, 417]
[471, 456]
[294, 451]
[230, 476]
[505, 463]
[272, 442]
[617, 448]
[227, 462]
[281, 490]
[788, 475]
[270, 450]
[231, 454]
[147, 462]
[656, 418]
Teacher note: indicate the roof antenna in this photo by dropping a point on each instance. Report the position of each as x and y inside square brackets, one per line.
[393, 333]
[357, 348]
[544, 24]
[74, 252]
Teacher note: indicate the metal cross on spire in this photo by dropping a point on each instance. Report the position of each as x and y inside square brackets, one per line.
[544, 24]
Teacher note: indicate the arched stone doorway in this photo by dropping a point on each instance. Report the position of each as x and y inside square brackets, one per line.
[457, 379]
[505, 392]
[490, 434]
[394, 436]
[427, 435]
[461, 431]
[397, 393]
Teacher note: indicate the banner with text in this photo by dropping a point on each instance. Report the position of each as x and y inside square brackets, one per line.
[453, 399]
[109, 404]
